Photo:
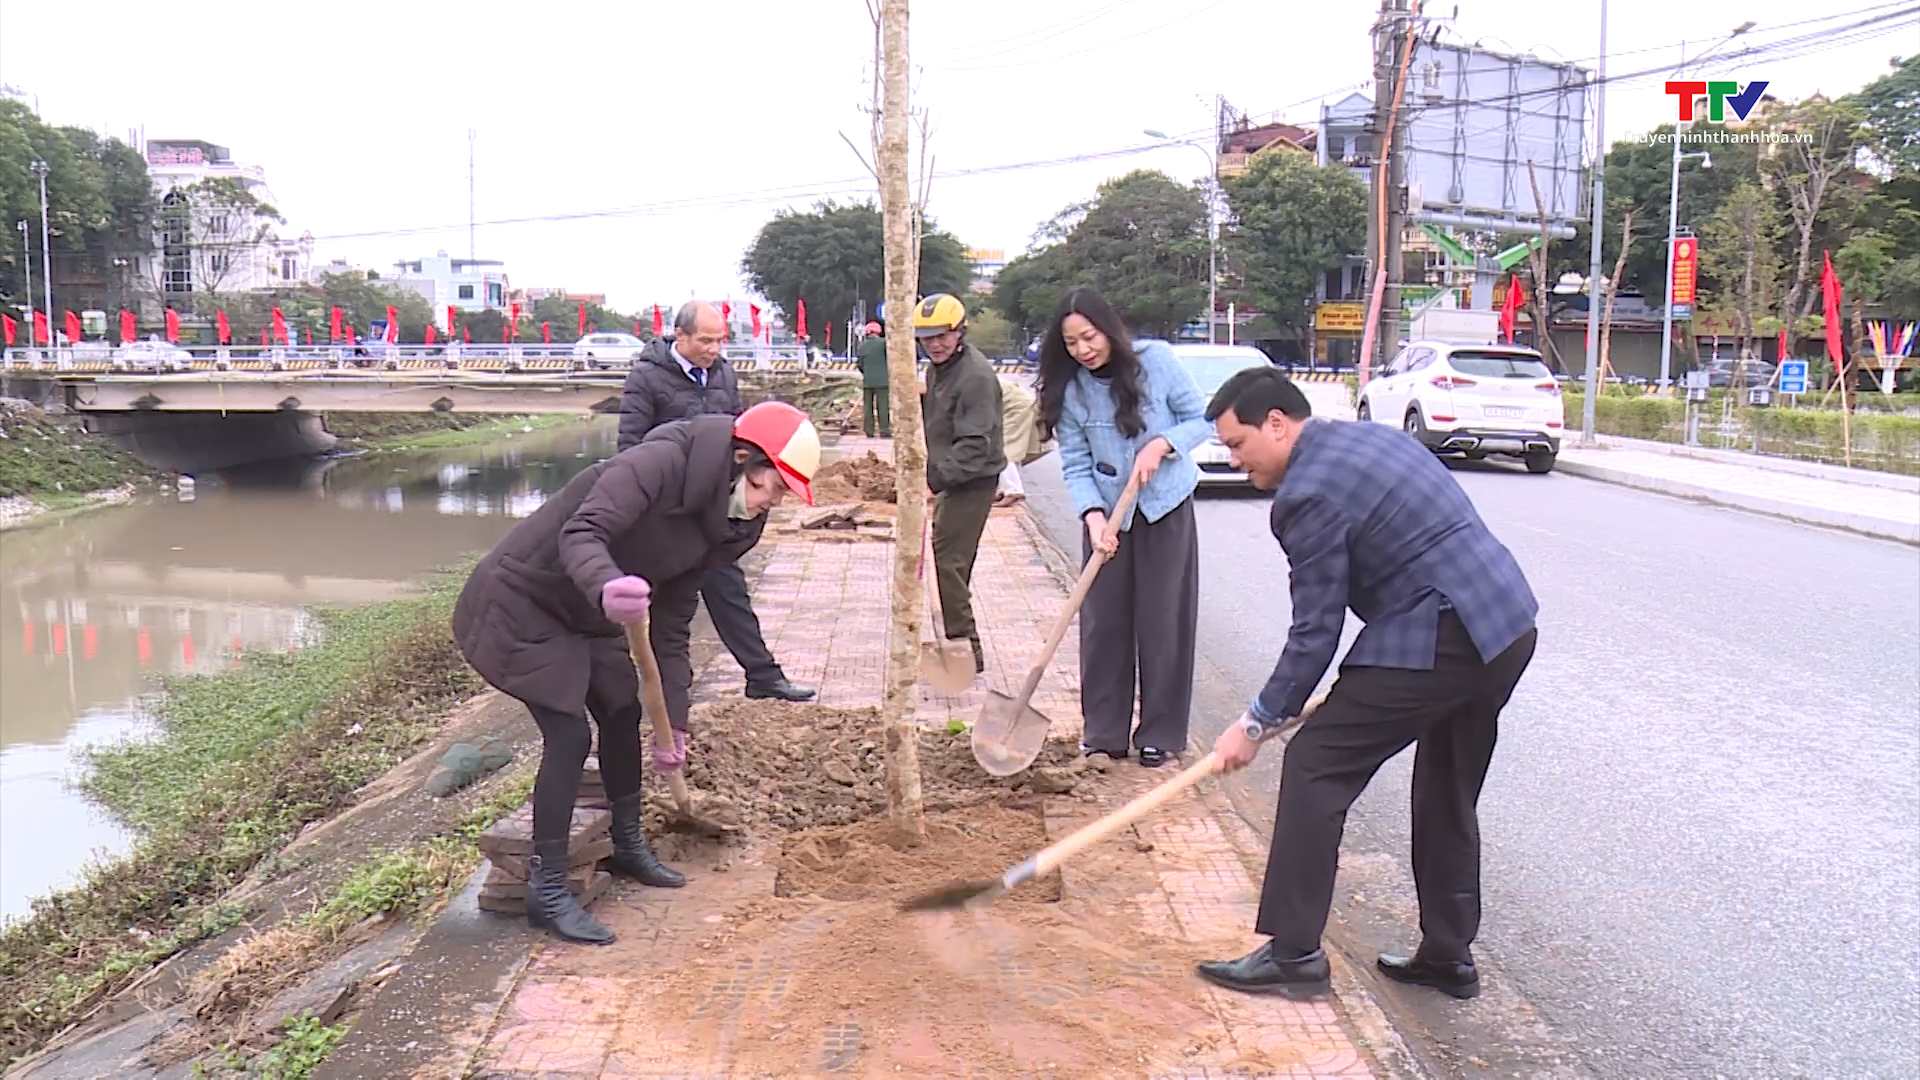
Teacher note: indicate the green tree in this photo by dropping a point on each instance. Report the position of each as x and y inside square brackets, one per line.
[1739, 250]
[1142, 241]
[832, 257]
[1889, 106]
[211, 227]
[990, 332]
[99, 205]
[1293, 220]
[1638, 178]
[1812, 176]
[564, 315]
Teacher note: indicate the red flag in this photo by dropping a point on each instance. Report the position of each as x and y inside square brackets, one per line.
[801, 320]
[466, 336]
[173, 326]
[393, 325]
[659, 326]
[1830, 291]
[1783, 345]
[73, 328]
[513, 323]
[309, 335]
[42, 332]
[546, 333]
[266, 338]
[7, 328]
[127, 328]
[756, 320]
[333, 325]
[351, 337]
[451, 311]
[1510, 308]
[726, 310]
[583, 319]
[220, 326]
[430, 333]
[829, 335]
[280, 327]
[636, 328]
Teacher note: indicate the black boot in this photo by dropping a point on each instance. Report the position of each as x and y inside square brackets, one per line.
[551, 905]
[632, 857]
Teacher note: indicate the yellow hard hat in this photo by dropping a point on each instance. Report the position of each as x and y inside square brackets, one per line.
[938, 314]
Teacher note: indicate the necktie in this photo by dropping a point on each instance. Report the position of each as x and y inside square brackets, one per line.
[699, 376]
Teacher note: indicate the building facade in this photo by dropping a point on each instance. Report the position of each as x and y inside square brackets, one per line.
[466, 284]
[217, 228]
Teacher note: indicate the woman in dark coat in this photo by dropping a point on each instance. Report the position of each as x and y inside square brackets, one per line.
[542, 616]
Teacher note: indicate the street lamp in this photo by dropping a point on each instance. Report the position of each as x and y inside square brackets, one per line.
[39, 169]
[1213, 226]
[26, 247]
[1673, 213]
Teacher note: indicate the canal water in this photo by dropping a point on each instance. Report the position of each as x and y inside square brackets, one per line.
[96, 608]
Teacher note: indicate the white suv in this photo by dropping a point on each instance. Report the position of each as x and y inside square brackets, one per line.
[1471, 399]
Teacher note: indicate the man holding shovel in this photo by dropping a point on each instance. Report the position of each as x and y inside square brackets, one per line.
[1373, 522]
[966, 451]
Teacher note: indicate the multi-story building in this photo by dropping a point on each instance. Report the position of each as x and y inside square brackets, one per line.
[217, 228]
[465, 284]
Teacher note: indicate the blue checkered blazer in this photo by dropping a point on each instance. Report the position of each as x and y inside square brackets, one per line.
[1371, 520]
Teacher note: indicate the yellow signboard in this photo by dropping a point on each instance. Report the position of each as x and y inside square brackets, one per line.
[1346, 317]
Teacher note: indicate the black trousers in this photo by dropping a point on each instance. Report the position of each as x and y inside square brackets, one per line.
[959, 518]
[1452, 713]
[1141, 619]
[876, 404]
[565, 743]
[725, 591]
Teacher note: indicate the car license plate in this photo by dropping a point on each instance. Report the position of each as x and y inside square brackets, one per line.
[1503, 412]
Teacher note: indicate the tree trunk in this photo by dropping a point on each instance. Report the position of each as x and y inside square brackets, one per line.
[909, 451]
[1540, 263]
[1606, 316]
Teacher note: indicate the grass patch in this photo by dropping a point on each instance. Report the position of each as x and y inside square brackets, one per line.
[241, 761]
[425, 431]
[53, 460]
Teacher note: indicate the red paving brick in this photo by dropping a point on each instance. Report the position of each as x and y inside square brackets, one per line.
[600, 1012]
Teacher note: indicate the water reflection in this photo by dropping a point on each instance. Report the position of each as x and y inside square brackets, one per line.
[95, 608]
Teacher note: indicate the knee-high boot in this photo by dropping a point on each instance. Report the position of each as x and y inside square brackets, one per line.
[632, 857]
[551, 905]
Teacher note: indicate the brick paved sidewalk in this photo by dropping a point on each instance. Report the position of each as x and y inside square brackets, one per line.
[702, 981]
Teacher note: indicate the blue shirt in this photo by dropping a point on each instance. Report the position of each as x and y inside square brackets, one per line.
[1096, 458]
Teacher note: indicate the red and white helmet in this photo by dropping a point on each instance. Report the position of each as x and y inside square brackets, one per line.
[871, 328]
[789, 440]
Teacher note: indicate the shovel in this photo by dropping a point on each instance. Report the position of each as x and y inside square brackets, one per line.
[653, 701]
[947, 666]
[1010, 731]
[967, 893]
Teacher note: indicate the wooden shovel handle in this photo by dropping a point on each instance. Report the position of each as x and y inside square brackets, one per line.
[1078, 595]
[653, 701]
[1051, 858]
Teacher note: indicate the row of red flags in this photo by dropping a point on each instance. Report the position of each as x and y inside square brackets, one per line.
[338, 330]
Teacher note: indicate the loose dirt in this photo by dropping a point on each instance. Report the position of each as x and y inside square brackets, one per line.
[786, 767]
[861, 479]
[860, 861]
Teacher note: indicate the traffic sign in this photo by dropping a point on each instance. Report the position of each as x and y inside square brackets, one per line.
[1683, 311]
[1793, 376]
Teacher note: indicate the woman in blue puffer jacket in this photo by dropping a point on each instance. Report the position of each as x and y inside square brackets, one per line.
[1123, 408]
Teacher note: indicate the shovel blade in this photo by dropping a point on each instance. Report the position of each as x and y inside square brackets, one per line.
[946, 668]
[1009, 735]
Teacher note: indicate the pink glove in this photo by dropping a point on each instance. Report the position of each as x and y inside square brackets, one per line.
[671, 759]
[624, 599]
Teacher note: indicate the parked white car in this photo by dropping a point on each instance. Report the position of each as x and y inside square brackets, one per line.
[152, 355]
[1474, 400]
[1210, 366]
[608, 350]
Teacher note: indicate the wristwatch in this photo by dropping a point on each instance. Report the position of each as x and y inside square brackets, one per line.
[1251, 728]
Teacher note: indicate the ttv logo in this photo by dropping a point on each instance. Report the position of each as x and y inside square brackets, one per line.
[1719, 96]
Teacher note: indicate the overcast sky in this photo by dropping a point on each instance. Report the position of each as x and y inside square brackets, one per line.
[695, 122]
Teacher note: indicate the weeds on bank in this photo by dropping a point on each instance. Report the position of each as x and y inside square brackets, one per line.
[304, 1044]
[241, 761]
[55, 461]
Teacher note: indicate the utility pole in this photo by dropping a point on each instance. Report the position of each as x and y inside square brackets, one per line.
[910, 576]
[473, 248]
[1594, 285]
[46, 249]
[1393, 42]
[26, 249]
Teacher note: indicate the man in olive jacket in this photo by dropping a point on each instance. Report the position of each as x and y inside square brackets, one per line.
[686, 377]
[873, 383]
[966, 452]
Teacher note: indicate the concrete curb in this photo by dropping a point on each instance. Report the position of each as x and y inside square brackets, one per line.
[1839, 474]
[1880, 528]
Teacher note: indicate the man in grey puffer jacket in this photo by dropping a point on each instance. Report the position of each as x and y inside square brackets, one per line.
[673, 380]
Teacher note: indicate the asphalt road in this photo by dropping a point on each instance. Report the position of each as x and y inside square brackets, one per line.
[1702, 827]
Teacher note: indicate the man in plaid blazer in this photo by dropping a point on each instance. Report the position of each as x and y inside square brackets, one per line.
[1371, 521]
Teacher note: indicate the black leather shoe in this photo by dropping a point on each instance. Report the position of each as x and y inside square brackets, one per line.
[1259, 973]
[1452, 977]
[780, 689]
[633, 857]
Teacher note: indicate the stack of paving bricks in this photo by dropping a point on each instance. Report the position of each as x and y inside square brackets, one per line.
[510, 840]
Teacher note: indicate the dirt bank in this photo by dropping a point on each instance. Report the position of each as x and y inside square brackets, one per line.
[861, 479]
[50, 462]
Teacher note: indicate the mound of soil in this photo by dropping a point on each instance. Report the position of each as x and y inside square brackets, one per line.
[861, 479]
[859, 861]
[787, 767]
